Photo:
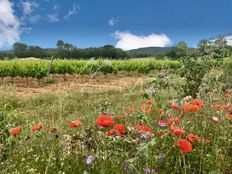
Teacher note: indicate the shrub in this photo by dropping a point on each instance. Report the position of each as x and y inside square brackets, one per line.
[194, 72]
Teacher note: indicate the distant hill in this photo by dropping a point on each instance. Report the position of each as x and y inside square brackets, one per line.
[149, 51]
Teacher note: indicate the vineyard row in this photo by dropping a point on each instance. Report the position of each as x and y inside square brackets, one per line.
[39, 68]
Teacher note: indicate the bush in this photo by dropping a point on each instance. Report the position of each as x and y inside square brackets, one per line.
[194, 72]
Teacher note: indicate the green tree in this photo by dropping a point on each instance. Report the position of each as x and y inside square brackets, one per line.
[220, 45]
[60, 44]
[205, 48]
[20, 49]
[181, 49]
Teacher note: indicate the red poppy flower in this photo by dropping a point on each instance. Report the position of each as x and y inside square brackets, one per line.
[217, 106]
[150, 101]
[192, 138]
[179, 132]
[176, 130]
[206, 141]
[74, 124]
[120, 128]
[197, 102]
[125, 113]
[174, 120]
[149, 111]
[162, 112]
[120, 116]
[36, 127]
[184, 145]
[110, 132]
[144, 107]
[226, 95]
[227, 107]
[160, 134]
[15, 131]
[222, 107]
[105, 121]
[175, 106]
[139, 126]
[131, 108]
[143, 128]
[229, 115]
[147, 129]
[191, 108]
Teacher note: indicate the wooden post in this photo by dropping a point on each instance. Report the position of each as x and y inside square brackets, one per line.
[49, 68]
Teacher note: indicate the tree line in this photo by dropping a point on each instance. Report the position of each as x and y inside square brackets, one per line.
[214, 48]
[64, 51]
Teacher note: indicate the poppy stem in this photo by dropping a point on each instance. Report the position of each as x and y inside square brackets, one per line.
[185, 171]
[49, 160]
[167, 151]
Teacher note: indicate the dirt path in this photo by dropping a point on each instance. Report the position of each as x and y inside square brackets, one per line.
[89, 86]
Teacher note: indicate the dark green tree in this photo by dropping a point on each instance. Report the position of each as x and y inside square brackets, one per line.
[181, 49]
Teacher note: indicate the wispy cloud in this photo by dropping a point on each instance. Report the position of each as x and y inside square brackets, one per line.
[9, 24]
[53, 18]
[128, 41]
[55, 7]
[26, 29]
[72, 11]
[113, 21]
[28, 7]
[34, 18]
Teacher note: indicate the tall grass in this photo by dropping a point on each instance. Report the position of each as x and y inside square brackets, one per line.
[65, 150]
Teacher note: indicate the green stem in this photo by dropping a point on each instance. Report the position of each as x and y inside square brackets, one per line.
[49, 160]
[185, 171]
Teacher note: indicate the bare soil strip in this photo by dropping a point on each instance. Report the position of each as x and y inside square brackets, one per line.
[97, 85]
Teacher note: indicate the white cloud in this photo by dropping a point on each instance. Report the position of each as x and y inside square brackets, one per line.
[9, 24]
[113, 21]
[72, 11]
[34, 18]
[28, 7]
[53, 18]
[128, 41]
[229, 39]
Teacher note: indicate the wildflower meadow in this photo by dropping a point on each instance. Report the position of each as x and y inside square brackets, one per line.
[154, 127]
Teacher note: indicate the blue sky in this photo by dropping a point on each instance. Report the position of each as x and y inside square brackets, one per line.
[126, 24]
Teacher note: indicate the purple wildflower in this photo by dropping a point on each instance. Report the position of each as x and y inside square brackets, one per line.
[145, 135]
[89, 159]
[162, 158]
[148, 170]
[151, 90]
[129, 169]
[162, 123]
